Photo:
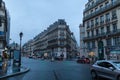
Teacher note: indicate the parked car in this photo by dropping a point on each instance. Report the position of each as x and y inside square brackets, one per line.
[83, 60]
[58, 58]
[39, 56]
[30, 57]
[109, 69]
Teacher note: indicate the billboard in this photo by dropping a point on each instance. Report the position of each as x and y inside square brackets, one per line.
[16, 55]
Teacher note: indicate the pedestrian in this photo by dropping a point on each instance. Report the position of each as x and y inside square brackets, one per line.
[62, 56]
[1, 60]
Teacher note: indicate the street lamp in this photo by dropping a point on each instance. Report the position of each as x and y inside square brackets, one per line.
[20, 34]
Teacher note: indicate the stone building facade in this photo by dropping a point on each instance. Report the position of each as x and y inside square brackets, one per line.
[57, 39]
[102, 27]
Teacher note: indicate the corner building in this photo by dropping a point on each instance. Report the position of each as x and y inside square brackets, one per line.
[102, 27]
[56, 40]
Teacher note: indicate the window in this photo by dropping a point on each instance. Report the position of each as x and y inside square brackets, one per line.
[113, 1]
[107, 17]
[114, 26]
[92, 23]
[97, 31]
[108, 41]
[101, 19]
[61, 32]
[96, 21]
[105, 64]
[116, 41]
[62, 43]
[92, 32]
[88, 34]
[88, 24]
[88, 5]
[108, 28]
[93, 44]
[102, 30]
[114, 15]
[96, 9]
[88, 45]
[92, 2]
[91, 11]
[62, 22]
[106, 4]
[101, 6]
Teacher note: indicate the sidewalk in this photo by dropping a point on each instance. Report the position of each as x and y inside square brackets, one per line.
[12, 71]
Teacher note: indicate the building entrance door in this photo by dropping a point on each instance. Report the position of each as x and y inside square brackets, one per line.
[100, 50]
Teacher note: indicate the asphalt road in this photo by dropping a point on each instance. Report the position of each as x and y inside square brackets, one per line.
[57, 70]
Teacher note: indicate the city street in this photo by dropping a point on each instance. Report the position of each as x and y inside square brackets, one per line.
[57, 70]
[59, 39]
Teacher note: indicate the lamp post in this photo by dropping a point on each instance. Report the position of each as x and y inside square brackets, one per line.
[20, 34]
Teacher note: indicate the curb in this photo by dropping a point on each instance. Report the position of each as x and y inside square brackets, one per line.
[15, 74]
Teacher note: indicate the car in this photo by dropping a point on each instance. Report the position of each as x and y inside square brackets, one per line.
[83, 60]
[1, 64]
[39, 56]
[58, 58]
[30, 57]
[109, 69]
[87, 60]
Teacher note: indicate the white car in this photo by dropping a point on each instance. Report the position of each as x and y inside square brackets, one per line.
[109, 69]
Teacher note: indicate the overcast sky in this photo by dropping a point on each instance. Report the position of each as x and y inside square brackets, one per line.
[33, 16]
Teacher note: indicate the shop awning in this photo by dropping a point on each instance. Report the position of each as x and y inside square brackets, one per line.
[115, 52]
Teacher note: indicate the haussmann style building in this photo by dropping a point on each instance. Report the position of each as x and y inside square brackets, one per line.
[101, 25]
[4, 27]
[57, 39]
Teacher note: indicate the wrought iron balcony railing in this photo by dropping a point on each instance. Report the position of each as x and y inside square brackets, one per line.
[95, 4]
[100, 11]
[103, 34]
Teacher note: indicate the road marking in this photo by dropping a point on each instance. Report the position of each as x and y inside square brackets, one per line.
[55, 74]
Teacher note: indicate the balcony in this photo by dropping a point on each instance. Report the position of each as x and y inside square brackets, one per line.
[101, 22]
[94, 5]
[52, 39]
[102, 10]
[92, 25]
[114, 17]
[88, 27]
[107, 20]
[94, 36]
[52, 45]
[114, 32]
[103, 35]
[61, 38]
[96, 24]
[61, 45]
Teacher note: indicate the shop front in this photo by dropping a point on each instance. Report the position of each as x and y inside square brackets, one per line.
[115, 54]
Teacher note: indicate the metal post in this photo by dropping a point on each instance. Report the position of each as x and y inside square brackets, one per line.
[21, 34]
